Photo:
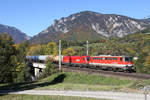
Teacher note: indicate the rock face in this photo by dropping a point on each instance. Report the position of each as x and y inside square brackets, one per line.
[16, 34]
[95, 24]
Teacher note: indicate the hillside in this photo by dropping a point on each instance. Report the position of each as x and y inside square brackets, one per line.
[90, 25]
[16, 34]
[72, 81]
[76, 35]
[79, 81]
[135, 38]
[130, 45]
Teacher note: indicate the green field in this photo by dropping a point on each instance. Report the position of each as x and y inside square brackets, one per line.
[41, 97]
[79, 81]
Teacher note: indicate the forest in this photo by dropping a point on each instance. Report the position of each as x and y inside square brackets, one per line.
[134, 45]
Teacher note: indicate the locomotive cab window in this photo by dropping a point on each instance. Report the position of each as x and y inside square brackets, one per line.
[88, 58]
[120, 59]
[128, 58]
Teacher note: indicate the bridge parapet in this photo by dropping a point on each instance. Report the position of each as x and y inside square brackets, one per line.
[39, 65]
[38, 68]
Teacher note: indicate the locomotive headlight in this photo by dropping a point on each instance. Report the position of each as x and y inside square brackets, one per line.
[130, 65]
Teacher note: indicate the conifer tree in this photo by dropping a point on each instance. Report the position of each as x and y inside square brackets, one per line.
[7, 52]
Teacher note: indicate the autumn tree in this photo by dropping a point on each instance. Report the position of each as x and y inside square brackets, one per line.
[36, 50]
[45, 49]
[50, 48]
[68, 51]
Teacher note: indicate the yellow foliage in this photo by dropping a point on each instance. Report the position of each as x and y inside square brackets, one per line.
[15, 45]
[131, 51]
[46, 49]
[68, 51]
[146, 49]
[19, 67]
[34, 50]
[51, 48]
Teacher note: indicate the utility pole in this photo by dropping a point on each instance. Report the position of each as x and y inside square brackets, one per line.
[59, 54]
[87, 48]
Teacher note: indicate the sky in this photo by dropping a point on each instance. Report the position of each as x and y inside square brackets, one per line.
[33, 16]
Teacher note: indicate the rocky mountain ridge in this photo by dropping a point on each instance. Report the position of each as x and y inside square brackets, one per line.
[16, 34]
[107, 25]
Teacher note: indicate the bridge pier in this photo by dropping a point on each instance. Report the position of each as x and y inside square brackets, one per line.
[38, 68]
[37, 71]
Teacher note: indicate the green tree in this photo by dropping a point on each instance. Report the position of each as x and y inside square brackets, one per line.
[49, 69]
[7, 53]
[147, 64]
[64, 44]
[140, 62]
[22, 71]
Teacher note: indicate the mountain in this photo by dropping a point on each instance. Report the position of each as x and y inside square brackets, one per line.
[146, 20]
[16, 34]
[90, 25]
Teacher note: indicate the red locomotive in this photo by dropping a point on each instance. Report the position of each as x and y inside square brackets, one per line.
[115, 63]
[76, 60]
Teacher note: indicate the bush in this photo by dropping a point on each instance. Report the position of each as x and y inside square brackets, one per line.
[49, 70]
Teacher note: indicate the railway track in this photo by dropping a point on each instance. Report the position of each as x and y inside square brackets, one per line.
[135, 76]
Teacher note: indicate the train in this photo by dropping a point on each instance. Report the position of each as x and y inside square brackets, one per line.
[104, 62]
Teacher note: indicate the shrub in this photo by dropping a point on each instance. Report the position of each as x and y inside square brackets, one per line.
[49, 70]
